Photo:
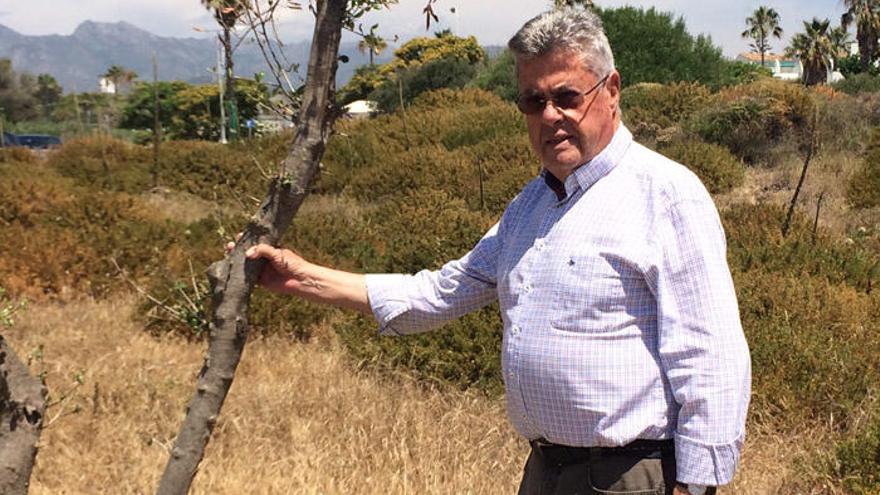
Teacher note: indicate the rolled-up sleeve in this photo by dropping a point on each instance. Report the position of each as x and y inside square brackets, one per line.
[406, 304]
[701, 342]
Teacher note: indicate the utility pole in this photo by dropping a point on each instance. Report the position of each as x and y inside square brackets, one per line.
[220, 72]
[157, 129]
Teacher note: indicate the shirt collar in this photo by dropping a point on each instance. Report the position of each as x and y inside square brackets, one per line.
[589, 173]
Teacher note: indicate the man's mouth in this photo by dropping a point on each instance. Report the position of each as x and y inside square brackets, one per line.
[553, 141]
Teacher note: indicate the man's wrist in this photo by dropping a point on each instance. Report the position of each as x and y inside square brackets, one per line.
[695, 489]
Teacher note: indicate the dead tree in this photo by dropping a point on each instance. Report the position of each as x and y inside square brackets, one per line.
[812, 148]
[233, 279]
[22, 408]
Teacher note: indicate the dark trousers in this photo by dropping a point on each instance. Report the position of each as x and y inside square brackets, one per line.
[641, 468]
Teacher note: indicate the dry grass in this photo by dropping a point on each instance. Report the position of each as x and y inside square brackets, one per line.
[298, 419]
[828, 176]
[164, 204]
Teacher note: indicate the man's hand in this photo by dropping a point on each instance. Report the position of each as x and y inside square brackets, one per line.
[288, 273]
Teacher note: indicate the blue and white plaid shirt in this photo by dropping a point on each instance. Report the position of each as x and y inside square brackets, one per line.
[620, 315]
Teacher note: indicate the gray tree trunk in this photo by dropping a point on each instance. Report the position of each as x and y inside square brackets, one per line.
[233, 278]
[22, 407]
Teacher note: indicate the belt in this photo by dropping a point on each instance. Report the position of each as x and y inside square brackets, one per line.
[564, 454]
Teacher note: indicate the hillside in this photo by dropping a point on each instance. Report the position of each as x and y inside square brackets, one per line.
[77, 60]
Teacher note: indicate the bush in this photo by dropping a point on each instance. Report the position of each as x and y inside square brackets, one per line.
[449, 73]
[464, 353]
[104, 162]
[498, 75]
[17, 154]
[813, 347]
[752, 120]
[858, 458]
[864, 186]
[859, 83]
[719, 170]
[755, 244]
[653, 46]
[845, 121]
[209, 170]
[440, 142]
[662, 105]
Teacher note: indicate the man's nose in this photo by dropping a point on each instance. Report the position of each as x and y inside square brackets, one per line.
[551, 113]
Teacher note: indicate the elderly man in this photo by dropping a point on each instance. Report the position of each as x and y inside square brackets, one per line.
[624, 360]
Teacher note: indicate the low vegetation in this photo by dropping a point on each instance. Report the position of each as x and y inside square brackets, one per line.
[86, 225]
[445, 168]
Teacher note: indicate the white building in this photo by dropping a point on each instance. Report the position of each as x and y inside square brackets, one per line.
[787, 69]
[107, 86]
[360, 109]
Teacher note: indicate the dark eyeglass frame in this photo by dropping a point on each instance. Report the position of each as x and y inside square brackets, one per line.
[566, 100]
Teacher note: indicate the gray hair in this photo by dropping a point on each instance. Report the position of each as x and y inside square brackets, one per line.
[577, 30]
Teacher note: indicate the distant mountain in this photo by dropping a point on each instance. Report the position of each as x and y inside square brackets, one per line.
[78, 60]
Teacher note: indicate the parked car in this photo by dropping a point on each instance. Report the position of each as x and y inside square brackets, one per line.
[9, 139]
[38, 141]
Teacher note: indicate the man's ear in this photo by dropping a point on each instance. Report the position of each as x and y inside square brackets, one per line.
[612, 85]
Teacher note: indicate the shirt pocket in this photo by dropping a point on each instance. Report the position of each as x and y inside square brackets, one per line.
[594, 291]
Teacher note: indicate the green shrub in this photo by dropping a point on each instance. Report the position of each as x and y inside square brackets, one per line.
[845, 121]
[864, 186]
[751, 120]
[813, 346]
[755, 244]
[662, 105]
[498, 75]
[105, 162]
[858, 458]
[209, 170]
[441, 142]
[719, 170]
[464, 353]
[436, 74]
[859, 83]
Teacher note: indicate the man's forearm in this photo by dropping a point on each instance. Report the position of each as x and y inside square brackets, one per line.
[336, 287]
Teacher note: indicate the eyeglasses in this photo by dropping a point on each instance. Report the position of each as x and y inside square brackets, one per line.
[564, 100]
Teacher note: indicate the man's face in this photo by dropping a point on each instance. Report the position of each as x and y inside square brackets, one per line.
[564, 139]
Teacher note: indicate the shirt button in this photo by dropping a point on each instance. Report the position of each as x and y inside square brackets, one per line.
[527, 288]
[515, 330]
[540, 245]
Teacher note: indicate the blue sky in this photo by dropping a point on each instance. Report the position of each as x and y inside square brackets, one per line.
[492, 21]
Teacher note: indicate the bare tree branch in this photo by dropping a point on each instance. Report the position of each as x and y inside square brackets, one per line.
[233, 278]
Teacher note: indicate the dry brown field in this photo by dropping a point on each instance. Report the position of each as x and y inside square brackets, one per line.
[300, 418]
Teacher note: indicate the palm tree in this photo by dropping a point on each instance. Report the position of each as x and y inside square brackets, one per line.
[865, 14]
[814, 49]
[119, 76]
[373, 44]
[840, 39]
[762, 24]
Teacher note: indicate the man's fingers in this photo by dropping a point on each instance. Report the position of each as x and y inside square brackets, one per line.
[263, 251]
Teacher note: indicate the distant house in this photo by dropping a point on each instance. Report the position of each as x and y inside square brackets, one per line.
[787, 69]
[360, 109]
[105, 85]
